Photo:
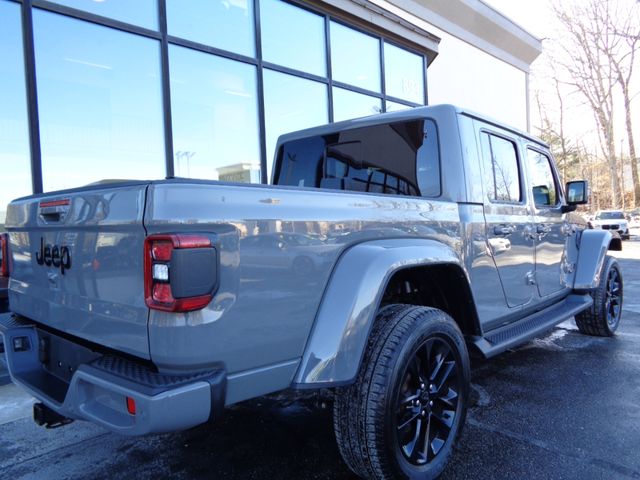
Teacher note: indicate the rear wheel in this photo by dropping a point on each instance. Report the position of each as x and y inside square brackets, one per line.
[402, 416]
[603, 318]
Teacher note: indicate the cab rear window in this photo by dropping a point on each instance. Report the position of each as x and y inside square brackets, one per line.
[399, 158]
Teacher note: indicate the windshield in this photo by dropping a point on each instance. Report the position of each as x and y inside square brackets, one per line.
[610, 216]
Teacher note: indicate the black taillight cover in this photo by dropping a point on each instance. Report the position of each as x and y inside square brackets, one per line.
[194, 272]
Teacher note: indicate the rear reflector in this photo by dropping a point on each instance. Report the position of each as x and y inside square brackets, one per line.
[131, 406]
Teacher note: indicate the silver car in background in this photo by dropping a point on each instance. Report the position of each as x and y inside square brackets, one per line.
[613, 220]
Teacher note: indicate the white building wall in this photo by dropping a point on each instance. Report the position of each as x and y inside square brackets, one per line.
[468, 77]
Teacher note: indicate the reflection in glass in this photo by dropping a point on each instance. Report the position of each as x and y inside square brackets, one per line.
[542, 180]
[215, 117]
[403, 74]
[500, 165]
[348, 104]
[355, 57]
[15, 177]
[291, 103]
[99, 100]
[220, 23]
[292, 37]
[143, 13]
[399, 158]
[396, 107]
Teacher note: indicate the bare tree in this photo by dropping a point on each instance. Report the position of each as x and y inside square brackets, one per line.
[627, 29]
[589, 37]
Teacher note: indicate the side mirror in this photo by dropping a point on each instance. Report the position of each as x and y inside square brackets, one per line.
[577, 192]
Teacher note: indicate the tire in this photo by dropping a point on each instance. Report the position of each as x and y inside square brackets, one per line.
[603, 318]
[415, 354]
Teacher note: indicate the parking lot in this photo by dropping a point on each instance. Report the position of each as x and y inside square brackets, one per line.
[562, 406]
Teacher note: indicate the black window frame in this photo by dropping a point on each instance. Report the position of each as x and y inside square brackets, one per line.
[515, 143]
[554, 174]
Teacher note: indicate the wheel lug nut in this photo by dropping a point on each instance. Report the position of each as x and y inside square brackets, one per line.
[431, 403]
[424, 413]
[422, 386]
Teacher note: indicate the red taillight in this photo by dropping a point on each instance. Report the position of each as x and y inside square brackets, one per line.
[158, 250]
[4, 255]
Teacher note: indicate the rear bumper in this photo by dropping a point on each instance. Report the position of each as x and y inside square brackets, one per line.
[97, 390]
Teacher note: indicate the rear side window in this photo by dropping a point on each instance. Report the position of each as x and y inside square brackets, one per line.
[543, 184]
[501, 173]
[399, 159]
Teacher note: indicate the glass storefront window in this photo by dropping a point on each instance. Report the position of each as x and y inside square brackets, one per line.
[215, 117]
[100, 102]
[396, 107]
[404, 74]
[355, 57]
[292, 37]
[143, 13]
[15, 168]
[348, 104]
[291, 103]
[223, 24]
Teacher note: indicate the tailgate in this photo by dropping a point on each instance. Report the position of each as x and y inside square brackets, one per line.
[77, 263]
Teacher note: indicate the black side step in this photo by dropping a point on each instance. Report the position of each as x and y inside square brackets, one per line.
[502, 338]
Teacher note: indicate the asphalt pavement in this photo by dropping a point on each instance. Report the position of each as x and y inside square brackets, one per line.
[564, 406]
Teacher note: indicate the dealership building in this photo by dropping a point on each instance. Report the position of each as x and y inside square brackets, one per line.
[144, 89]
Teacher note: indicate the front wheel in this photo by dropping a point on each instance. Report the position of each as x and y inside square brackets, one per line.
[603, 318]
[403, 415]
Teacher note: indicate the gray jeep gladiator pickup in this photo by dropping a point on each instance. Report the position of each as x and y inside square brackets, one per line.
[386, 248]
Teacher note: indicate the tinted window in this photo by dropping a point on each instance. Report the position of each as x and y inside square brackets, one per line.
[292, 36]
[214, 110]
[399, 158]
[219, 23]
[361, 70]
[543, 184]
[610, 216]
[404, 74]
[502, 178]
[140, 12]
[15, 179]
[99, 100]
[348, 104]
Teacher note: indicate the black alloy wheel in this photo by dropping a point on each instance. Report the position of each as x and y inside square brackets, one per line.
[602, 319]
[428, 401]
[404, 413]
[613, 302]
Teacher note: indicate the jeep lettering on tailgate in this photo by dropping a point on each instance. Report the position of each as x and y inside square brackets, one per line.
[53, 255]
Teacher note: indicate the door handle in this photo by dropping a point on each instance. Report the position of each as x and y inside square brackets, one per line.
[503, 230]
